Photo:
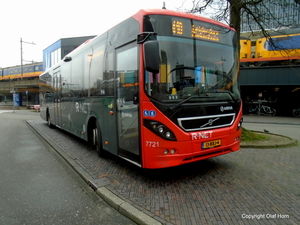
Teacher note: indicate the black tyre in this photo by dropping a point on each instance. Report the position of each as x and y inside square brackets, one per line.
[97, 141]
[273, 112]
[49, 121]
[296, 112]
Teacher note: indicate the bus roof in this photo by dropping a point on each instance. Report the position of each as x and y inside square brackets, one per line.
[138, 16]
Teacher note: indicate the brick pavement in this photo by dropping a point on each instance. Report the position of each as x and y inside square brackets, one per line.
[251, 186]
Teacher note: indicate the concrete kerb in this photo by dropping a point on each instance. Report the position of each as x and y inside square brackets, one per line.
[281, 141]
[114, 201]
[125, 208]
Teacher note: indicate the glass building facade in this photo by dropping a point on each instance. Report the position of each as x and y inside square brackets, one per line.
[272, 14]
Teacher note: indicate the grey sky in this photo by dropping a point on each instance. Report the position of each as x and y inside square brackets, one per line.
[44, 22]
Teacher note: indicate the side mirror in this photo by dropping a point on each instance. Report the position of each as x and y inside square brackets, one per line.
[67, 59]
[151, 56]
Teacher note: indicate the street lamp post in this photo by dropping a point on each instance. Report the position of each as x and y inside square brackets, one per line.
[31, 43]
[21, 41]
[13, 98]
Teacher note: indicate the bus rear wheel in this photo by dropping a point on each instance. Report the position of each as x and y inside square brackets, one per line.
[97, 140]
[49, 121]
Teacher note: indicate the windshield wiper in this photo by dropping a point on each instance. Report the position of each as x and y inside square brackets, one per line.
[176, 106]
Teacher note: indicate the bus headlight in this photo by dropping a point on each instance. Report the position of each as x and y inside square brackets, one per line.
[240, 124]
[160, 130]
[168, 134]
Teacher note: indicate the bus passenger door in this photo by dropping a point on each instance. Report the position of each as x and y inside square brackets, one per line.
[127, 104]
[57, 98]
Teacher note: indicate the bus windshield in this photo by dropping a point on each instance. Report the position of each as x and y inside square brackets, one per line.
[195, 66]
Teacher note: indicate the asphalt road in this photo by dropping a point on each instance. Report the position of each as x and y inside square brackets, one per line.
[37, 187]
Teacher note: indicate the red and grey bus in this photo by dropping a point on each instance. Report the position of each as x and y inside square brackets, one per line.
[159, 90]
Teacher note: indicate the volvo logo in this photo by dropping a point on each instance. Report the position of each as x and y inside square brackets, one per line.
[210, 122]
[224, 108]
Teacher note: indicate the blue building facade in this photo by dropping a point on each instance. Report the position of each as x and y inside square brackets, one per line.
[59, 49]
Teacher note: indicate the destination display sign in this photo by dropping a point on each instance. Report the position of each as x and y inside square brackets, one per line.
[202, 30]
[196, 29]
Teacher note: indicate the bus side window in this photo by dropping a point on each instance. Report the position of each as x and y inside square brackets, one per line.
[127, 73]
[94, 63]
[107, 85]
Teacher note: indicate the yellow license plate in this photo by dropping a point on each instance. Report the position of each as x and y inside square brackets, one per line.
[211, 144]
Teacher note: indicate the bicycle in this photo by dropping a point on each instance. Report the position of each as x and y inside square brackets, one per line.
[259, 106]
[267, 110]
[296, 112]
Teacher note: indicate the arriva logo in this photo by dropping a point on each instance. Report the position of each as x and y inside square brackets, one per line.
[226, 108]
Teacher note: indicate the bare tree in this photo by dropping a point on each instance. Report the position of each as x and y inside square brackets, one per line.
[250, 12]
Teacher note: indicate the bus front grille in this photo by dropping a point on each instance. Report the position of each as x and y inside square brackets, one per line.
[206, 122]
